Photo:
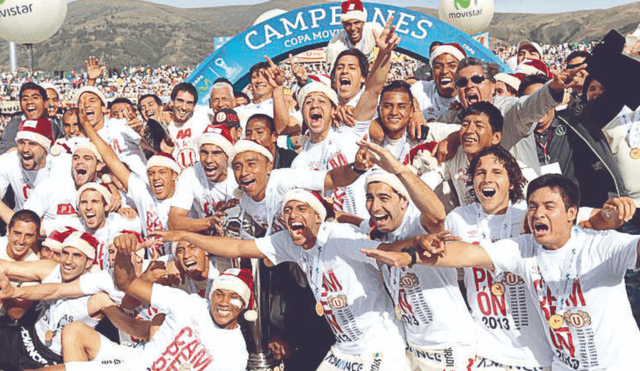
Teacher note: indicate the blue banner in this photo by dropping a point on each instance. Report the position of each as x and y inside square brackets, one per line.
[312, 27]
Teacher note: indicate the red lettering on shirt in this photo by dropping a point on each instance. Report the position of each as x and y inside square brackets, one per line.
[330, 282]
[65, 209]
[185, 349]
[183, 134]
[25, 191]
[116, 146]
[403, 302]
[562, 339]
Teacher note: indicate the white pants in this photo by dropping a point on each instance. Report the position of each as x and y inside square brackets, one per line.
[456, 358]
[389, 361]
[110, 357]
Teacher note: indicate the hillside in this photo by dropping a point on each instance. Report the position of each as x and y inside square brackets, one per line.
[122, 32]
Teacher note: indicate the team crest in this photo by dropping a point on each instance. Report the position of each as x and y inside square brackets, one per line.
[409, 280]
[512, 279]
[336, 302]
[577, 320]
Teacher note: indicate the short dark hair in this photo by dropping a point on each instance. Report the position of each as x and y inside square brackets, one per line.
[239, 94]
[223, 79]
[155, 98]
[398, 86]
[25, 216]
[266, 118]
[531, 80]
[436, 44]
[576, 54]
[585, 87]
[71, 111]
[516, 179]
[363, 62]
[489, 69]
[493, 113]
[33, 86]
[184, 86]
[120, 100]
[257, 67]
[569, 191]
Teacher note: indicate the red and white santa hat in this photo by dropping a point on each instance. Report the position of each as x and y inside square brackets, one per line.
[84, 242]
[308, 197]
[239, 281]
[220, 136]
[91, 147]
[56, 238]
[163, 160]
[511, 80]
[454, 49]
[94, 90]
[390, 179]
[104, 191]
[36, 130]
[249, 145]
[533, 67]
[316, 86]
[353, 10]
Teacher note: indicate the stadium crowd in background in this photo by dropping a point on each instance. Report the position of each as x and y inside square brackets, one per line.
[130, 213]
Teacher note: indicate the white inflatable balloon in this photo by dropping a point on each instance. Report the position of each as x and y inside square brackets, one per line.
[471, 16]
[268, 15]
[31, 21]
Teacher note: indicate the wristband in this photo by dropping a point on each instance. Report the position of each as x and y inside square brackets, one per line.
[413, 253]
[356, 170]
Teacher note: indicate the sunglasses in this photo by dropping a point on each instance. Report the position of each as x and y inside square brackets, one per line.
[572, 66]
[476, 79]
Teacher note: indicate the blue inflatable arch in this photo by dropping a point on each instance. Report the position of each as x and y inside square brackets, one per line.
[312, 27]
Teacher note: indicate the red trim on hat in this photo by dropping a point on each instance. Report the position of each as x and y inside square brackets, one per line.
[428, 146]
[219, 129]
[352, 5]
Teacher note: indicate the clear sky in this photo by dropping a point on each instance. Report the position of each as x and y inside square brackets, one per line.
[502, 6]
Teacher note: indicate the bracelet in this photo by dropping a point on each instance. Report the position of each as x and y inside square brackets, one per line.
[356, 170]
[414, 255]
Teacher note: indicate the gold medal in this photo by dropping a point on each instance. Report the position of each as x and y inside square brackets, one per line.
[634, 153]
[556, 321]
[398, 312]
[48, 336]
[319, 309]
[497, 289]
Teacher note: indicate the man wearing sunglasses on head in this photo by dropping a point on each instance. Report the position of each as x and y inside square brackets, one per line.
[475, 83]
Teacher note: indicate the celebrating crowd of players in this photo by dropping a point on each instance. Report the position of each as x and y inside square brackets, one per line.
[362, 197]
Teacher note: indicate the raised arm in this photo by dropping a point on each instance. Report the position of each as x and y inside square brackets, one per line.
[283, 122]
[220, 246]
[179, 220]
[387, 41]
[27, 271]
[431, 208]
[142, 330]
[343, 176]
[46, 291]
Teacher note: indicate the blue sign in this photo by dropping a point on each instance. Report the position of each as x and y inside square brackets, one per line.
[314, 26]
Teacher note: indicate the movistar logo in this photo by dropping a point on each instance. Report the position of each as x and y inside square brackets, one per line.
[15, 10]
[463, 3]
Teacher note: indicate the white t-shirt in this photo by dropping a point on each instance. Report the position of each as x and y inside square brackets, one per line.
[509, 331]
[194, 191]
[189, 337]
[125, 142]
[24, 181]
[337, 149]
[186, 137]
[58, 313]
[244, 112]
[345, 282]
[434, 313]
[623, 134]
[267, 214]
[54, 200]
[4, 255]
[114, 225]
[201, 288]
[432, 104]
[152, 213]
[598, 330]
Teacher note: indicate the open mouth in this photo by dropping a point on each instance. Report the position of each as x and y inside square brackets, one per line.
[445, 81]
[540, 228]
[381, 218]
[297, 228]
[316, 118]
[473, 98]
[190, 265]
[469, 140]
[158, 187]
[488, 192]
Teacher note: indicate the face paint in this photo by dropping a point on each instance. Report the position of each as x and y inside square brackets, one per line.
[236, 303]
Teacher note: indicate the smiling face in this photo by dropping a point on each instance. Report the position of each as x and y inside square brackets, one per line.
[260, 86]
[32, 104]
[527, 52]
[395, 112]
[353, 28]
[259, 131]
[548, 218]
[73, 263]
[121, 110]
[22, 237]
[252, 171]
[317, 112]
[162, 181]
[224, 308]
[53, 102]
[302, 222]
[91, 110]
[444, 74]
[476, 133]
[71, 126]
[221, 98]
[385, 206]
[347, 78]
[84, 166]
[492, 185]
[191, 260]
[92, 209]
[183, 106]
[33, 156]
[214, 162]
[150, 109]
[472, 92]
